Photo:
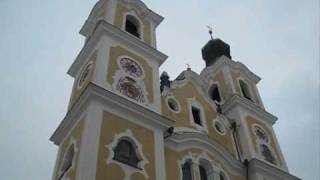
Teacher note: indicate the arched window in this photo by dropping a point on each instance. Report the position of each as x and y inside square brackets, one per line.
[222, 176]
[205, 170]
[68, 158]
[245, 90]
[267, 154]
[187, 170]
[214, 93]
[125, 152]
[132, 26]
[203, 173]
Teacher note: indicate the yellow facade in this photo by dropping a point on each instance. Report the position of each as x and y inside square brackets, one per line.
[116, 53]
[190, 90]
[75, 136]
[163, 138]
[76, 91]
[143, 135]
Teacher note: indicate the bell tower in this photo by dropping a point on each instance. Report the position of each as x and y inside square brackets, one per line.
[120, 52]
[241, 104]
[113, 128]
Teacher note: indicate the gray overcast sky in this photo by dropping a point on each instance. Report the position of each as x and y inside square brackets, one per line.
[276, 39]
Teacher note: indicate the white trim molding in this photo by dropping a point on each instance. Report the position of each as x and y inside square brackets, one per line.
[171, 97]
[128, 170]
[212, 167]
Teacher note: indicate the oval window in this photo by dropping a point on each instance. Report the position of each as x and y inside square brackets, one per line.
[219, 127]
[173, 104]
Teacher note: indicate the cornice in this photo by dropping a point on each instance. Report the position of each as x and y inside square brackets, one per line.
[105, 28]
[189, 139]
[225, 61]
[98, 94]
[237, 101]
[261, 167]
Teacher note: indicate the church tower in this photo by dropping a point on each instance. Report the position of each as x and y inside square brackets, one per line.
[125, 122]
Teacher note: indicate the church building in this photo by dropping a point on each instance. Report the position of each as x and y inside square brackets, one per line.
[125, 121]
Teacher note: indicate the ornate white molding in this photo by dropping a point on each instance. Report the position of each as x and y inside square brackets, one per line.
[128, 170]
[183, 140]
[168, 98]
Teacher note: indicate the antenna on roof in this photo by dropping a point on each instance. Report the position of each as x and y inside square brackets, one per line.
[210, 31]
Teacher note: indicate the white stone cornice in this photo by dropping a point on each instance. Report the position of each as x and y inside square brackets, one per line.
[183, 140]
[225, 61]
[105, 28]
[114, 101]
[269, 171]
[237, 101]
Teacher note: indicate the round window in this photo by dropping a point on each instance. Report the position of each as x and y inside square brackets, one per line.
[219, 127]
[173, 104]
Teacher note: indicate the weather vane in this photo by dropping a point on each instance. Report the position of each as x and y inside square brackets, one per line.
[210, 31]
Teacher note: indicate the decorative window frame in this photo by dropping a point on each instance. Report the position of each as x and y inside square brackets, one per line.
[220, 121]
[90, 63]
[189, 157]
[120, 73]
[268, 144]
[73, 142]
[128, 57]
[195, 161]
[178, 104]
[192, 102]
[252, 94]
[141, 25]
[219, 89]
[127, 169]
